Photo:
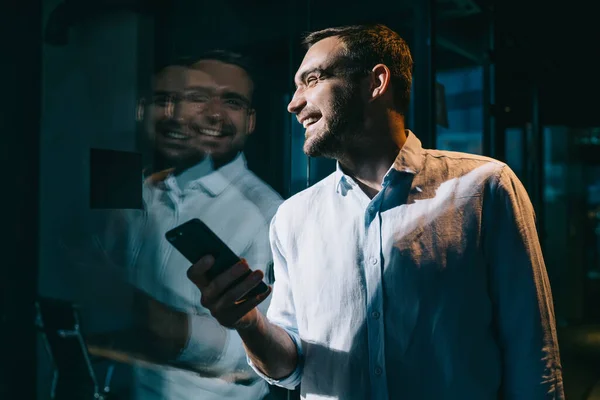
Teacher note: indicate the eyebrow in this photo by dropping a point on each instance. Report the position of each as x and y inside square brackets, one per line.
[228, 94]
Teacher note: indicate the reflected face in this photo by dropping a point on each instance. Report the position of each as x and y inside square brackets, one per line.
[327, 102]
[201, 110]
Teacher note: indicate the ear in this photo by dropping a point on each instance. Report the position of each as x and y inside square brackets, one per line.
[140, 110]
[380, 81]
[251, 123]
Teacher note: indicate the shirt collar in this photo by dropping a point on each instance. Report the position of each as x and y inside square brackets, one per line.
[409, 160]
[218, 180]
[213, 183]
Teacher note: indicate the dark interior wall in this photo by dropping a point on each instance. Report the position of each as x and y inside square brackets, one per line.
[90, 90]
[20, 31]
[90, 87]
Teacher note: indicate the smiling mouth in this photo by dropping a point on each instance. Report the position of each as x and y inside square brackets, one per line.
[175, 135]
[213, 133]
[310, 121]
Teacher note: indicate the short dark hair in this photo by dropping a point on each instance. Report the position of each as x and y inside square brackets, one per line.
[369, 45]
[225, 56]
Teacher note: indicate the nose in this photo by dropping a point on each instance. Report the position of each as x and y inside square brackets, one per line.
[297, 103]
[214, 111]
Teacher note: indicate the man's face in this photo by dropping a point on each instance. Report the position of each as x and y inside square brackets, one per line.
[326, 102]
[200, 110]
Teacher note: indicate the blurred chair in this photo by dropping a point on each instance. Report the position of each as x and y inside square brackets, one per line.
[74, 377]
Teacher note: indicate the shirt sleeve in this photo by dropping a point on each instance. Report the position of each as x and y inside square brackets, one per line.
[282, 311]
[204, 345]
[521, 294]
[206, 352]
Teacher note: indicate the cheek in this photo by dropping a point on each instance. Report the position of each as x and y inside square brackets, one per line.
[317, 97]
[240, 123]
[154, 115]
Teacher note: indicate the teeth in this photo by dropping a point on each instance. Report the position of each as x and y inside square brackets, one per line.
[176, 135]
[309, 121]
[211, 132]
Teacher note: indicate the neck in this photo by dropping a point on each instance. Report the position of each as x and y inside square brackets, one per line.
[161, 163]
[224, 160]
[368, 162]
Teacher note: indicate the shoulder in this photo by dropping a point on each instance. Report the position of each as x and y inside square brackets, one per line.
[259, 193]
[458, 157]
[472, 168]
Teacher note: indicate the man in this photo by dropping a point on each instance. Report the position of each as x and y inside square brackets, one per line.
[407, 273]
[198, 121]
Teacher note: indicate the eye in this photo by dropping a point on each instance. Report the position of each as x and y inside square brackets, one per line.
[311, 80]
[197, 98]
[234, 104]
[162, 100]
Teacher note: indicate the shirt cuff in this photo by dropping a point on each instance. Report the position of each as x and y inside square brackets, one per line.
[291, 381]
[204, 346]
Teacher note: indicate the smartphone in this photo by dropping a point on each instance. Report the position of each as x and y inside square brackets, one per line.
[194, 240]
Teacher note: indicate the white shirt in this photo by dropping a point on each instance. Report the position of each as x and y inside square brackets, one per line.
[434, 289]
[238, 207]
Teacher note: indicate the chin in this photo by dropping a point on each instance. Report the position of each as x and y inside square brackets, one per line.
[317, 149]
[322, 144]
[311, 146]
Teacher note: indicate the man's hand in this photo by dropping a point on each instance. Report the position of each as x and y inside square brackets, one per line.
[221, 299]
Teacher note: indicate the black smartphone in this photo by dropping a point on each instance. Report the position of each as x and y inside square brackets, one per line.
[194, 240]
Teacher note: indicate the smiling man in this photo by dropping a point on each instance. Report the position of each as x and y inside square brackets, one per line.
[408, 273]
[199, 112]
[197, 122]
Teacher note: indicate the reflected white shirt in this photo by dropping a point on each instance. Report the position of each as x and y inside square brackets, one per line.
[238, 207]
[434, 289]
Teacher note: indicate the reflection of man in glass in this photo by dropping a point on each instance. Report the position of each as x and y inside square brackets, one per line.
[201, 110]
[197, 120]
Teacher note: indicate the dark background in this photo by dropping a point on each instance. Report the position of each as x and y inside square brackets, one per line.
[71, 72]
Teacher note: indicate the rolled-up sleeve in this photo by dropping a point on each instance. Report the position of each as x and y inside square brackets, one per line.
[205, 345]
[521, 293]
[207, 352]
[282, 311]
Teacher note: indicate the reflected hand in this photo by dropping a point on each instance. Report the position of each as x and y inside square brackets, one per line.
[221, 299]
[167, 324]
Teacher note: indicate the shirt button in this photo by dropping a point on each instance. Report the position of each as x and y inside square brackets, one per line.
[378, 371]
[375, 314]
[373, 260]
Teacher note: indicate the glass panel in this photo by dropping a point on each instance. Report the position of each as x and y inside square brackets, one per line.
[131, 116]
[515, 150]
[572, 211]
[463, 99]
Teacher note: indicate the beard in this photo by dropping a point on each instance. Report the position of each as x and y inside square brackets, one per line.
[341, 128]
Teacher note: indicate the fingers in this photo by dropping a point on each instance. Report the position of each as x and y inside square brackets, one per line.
[235, 293]
[220, 295]
[217, 286]
[244, 308]
[196, 273]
